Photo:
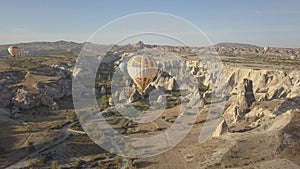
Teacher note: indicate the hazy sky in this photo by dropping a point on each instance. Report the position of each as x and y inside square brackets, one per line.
[260, 22]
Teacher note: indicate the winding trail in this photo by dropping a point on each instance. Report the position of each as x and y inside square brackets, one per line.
[23, 162]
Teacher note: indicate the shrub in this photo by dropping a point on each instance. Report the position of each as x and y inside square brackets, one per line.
[202, 88]
[73, 117]
[79, 163]
[54, 165]
[118, 161]
[41, 159]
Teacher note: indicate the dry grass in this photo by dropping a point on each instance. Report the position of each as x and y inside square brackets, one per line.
[29, 62]
[31, 80]
[259, 62]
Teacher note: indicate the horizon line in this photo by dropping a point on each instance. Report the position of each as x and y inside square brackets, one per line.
[82, 42]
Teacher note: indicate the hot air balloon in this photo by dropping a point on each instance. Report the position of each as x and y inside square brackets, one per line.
[142, 69]
[266, 48]
[13, 50]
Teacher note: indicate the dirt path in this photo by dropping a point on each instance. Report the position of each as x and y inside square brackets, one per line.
[272, 164]
[26, 140]
[23, 162]
[5, 116]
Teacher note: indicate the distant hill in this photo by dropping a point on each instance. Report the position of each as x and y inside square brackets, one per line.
[235, 45]
[44, 48]
[69, 48]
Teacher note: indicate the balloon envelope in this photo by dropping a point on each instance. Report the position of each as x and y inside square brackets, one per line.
[142, 70]
[13, 50]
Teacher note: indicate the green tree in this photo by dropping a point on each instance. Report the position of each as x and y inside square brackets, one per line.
[118, 161]
[29, 128]
[41, 159]
[54, 165]
[78, 164]
[73, 117]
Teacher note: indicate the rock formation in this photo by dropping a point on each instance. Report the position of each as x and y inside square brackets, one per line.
[195, 99]
[242, 103]
[221, 129]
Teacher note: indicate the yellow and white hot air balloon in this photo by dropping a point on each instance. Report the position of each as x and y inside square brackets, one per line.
[13, 50]
[142, 69]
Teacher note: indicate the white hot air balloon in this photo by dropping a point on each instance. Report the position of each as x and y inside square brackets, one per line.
[266, 48]
[13, 50]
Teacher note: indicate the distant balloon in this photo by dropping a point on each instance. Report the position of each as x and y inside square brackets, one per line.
[142, 70]
[266, 48]
[123, 67]
[13, 50]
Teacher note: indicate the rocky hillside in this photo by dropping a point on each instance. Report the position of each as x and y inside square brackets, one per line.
[43, 48]
[36, 87]
[236, 49]
[246, 88]
[261, 93]
[228, 49]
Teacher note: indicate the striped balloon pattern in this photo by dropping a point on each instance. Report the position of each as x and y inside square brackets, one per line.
[142, 69]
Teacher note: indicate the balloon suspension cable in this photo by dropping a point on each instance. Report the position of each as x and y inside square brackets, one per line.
[142, 95]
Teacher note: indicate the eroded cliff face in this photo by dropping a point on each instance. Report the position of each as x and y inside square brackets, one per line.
[8, 79]
[37, 87]
[259, 98]
[256, 99]
[45, 94]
